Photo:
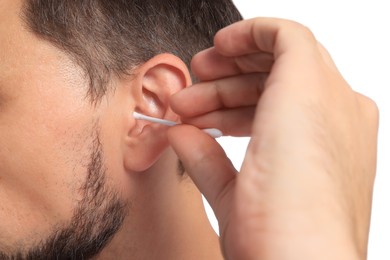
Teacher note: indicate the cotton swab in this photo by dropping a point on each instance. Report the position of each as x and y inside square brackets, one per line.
[213, 132]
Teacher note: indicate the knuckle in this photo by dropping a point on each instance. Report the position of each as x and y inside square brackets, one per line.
[301, 29]
[369, 108]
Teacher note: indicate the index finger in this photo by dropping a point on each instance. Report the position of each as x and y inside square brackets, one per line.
[270, 35]
[248, 46]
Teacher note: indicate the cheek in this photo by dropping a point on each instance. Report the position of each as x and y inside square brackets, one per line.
[45, 139]
[41, 153]
[44, 158]
[41, 173]
[45, 143]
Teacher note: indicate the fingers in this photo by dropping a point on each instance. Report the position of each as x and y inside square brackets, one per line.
[210, 65]
[232, 122]
[206, 163]
[252, 46]
[206, 97]
[227, 104]
[267, 35]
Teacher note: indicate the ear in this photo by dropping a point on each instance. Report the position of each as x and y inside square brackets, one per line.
[153, 84]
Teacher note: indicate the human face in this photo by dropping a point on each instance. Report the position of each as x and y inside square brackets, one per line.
[54, 190]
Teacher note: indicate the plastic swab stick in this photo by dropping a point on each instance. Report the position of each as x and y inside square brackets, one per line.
[213, 132]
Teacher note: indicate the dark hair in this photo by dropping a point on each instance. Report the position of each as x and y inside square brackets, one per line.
[112, 37]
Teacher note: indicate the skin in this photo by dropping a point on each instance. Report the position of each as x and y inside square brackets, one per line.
[306, 182]
[48, 126]
[305, 188]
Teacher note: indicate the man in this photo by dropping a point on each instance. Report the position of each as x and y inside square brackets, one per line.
[80, 178]
[78, 173]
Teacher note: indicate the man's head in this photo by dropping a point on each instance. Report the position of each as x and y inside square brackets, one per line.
[71, 74]
[111, 38]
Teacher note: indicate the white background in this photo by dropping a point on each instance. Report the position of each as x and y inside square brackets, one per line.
[357, 34]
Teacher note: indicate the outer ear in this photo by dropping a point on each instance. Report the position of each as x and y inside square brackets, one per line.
[155, 81]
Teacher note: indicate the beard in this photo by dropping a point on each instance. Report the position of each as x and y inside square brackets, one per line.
[97, 217]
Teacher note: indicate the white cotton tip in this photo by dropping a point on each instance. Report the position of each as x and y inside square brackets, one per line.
[213, 132]
[138, 116]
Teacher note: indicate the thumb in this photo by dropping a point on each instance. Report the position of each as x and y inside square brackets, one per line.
[207, 164]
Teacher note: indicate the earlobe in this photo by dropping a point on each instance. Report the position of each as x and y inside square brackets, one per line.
[155, 82]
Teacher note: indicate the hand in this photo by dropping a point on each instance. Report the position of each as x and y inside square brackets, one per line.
[304, 190]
